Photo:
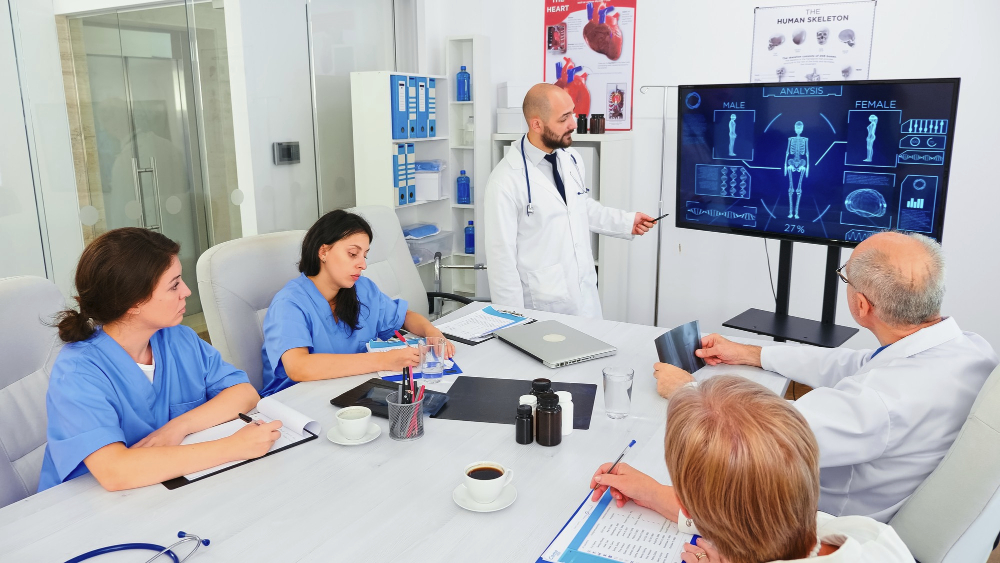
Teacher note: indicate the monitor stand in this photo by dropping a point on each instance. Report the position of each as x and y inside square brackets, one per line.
[784, 327]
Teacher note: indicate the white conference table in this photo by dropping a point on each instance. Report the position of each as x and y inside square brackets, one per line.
[381, 501]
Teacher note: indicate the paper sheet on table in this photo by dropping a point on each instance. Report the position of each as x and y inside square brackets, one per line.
[600, 531]
[482, 323]
[294, 427]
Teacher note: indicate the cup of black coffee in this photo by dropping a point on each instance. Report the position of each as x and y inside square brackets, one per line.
[485, 480]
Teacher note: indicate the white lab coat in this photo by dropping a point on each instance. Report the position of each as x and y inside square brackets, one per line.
[884, 424]
[544, 261]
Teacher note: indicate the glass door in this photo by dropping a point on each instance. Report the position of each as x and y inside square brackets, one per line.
[143, 134]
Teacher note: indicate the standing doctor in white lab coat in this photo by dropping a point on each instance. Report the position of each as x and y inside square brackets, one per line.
[539, 216]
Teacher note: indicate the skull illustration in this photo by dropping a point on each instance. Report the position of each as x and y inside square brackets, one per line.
[822, 35]
[775, 41]
[846, 72]
[781, 73]
[847, 36]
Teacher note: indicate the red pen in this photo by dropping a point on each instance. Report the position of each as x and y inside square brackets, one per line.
[400, 336]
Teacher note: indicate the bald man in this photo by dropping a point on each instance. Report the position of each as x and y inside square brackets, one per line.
[883, 418]
[539, 216]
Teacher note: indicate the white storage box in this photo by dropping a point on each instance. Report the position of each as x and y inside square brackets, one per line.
[511, 94]
[511, 120]
[429, 186]
[422, 250]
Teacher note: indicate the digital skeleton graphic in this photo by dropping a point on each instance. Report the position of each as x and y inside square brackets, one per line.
[796, 160]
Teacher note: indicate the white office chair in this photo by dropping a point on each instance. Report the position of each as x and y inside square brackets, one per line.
[238, 279]
[954, 515]
[28, 347]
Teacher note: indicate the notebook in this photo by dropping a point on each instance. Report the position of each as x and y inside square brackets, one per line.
[296, 428]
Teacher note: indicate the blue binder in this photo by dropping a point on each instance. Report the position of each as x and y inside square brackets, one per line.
[400, 125]
[399, 173]
[431, 107]
[411, 107]
[411, 173]
[421, 108]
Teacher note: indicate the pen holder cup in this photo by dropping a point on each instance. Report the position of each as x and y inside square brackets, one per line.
[406, 421]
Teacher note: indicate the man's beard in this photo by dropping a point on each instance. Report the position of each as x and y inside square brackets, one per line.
[554, 141]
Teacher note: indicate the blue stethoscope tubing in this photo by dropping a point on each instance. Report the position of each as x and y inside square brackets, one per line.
[527, 181]
[146, 546]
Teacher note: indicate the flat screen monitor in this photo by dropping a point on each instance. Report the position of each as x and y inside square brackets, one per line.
[828, 163]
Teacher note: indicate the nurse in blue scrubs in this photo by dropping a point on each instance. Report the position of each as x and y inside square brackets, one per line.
[131, 382]
[318, 324]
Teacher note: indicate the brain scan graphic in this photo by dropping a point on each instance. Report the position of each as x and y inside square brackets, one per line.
[775, 41]
[865, 202]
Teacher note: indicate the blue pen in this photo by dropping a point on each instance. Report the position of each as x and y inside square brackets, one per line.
[694, 539]
[615, 464]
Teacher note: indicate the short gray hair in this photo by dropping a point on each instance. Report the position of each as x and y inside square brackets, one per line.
[898, 300]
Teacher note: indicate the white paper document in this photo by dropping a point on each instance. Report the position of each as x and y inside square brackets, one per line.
[484, 322]
[600, 531]
[295, 427]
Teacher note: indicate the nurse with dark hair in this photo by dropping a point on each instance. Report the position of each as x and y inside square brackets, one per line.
[318, 324]
[132, 382]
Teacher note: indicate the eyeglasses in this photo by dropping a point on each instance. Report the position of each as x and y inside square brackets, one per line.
[843, 278]
[840, 272]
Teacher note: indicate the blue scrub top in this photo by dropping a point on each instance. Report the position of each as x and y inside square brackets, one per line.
[98, 395]
[299, 317]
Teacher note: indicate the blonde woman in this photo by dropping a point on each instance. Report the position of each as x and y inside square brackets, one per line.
[745, 468]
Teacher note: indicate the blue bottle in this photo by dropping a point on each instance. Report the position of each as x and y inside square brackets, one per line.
[464, 189]
[463, 94]
[470, 239]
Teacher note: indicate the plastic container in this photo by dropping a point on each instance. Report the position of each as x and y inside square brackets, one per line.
[549, 420]
[422, 250]
[464, 189]
[470, 239]
[581, 124]
[595, 124]
[566, 402]
[470, 132]
[523, 431]
[531, 401]
[463, 91]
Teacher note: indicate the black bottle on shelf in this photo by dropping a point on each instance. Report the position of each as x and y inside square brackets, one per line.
[581, 124]
[524, 425]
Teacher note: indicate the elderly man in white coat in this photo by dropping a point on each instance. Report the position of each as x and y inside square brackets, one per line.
[883, 418]
[539, 216]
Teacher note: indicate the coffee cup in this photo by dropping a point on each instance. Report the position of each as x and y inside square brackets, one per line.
[485, 480]
[353, 422]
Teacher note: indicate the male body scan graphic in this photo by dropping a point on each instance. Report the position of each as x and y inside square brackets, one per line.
[796, 160]
[873, 122]
[732, 133]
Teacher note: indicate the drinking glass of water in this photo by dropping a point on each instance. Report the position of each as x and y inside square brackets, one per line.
[431, 359]
[617, 391]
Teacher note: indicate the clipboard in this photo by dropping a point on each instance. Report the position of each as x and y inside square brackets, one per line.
[178, 482]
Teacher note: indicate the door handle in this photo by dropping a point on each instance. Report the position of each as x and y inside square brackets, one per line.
[156, 193]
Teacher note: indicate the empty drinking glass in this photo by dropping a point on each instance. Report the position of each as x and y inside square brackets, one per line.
[432, 359]
[617, 391]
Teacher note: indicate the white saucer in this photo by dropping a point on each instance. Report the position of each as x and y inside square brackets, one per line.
[462, 498]
[334, 435]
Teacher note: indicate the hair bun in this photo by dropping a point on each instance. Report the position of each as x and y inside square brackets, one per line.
[74, 326]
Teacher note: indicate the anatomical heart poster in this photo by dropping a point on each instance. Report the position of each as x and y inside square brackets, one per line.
[589, 49]
[815, 43]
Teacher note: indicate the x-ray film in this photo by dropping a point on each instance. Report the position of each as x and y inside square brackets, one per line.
[676, 347]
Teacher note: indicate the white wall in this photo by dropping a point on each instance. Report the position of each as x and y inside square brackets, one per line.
[713, 277]
[272, 102]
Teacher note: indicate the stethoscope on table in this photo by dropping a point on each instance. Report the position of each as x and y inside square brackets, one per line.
[527, 181]
[168, 551]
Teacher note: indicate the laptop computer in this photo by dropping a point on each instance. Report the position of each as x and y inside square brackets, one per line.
[555, 344]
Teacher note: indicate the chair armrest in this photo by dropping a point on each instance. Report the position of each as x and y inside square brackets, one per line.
[451, 296]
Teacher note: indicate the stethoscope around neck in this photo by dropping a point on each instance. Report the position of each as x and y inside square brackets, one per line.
[531, 207]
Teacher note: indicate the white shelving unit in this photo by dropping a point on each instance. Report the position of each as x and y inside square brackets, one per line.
[471, 155]
[613, 183]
